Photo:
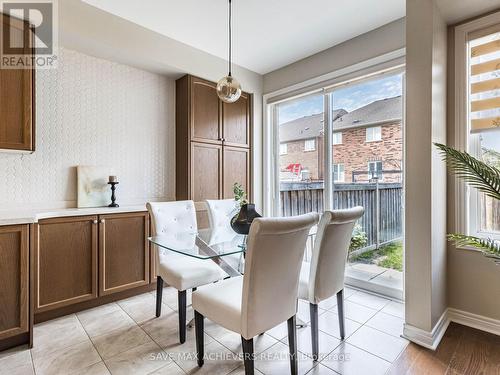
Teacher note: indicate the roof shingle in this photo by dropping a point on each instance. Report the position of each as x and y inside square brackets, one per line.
[377, 112]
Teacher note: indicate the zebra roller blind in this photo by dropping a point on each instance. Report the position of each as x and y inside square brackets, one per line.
[484, 68]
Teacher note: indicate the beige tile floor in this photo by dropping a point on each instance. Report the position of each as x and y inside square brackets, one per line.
[126, 338]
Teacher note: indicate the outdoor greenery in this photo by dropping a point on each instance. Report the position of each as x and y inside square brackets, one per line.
[359, 238]
[486, 179]
[388, 256]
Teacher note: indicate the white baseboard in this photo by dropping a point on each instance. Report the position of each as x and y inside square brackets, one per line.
[429, 340]
[480, 322]
[432, 339]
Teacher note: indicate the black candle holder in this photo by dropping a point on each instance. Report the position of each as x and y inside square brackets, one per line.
[113, 197]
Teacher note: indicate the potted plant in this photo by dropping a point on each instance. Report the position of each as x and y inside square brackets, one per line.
[243, 219]
[486, 179]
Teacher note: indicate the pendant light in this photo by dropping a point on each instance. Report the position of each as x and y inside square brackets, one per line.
[228, 88]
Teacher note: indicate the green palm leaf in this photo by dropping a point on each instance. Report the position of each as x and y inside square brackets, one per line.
[476, 173]
[487, 245]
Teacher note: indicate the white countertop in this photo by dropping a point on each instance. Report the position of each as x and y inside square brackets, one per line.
[23, 216]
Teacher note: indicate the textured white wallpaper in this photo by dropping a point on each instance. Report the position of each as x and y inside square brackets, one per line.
[91, 111]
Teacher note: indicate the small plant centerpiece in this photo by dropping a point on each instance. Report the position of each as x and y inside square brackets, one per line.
[486, 179]
[243, 219]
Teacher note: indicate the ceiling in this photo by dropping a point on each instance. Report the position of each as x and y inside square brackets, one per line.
[267, 34]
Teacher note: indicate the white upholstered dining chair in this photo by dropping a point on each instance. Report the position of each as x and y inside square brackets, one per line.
[323, 277]
[182, 272]
[220, 212]
[266, 295]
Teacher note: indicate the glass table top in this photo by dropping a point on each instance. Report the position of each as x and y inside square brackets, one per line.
[204, 244]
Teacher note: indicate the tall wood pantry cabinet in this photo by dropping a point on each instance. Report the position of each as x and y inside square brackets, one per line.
[213, 141]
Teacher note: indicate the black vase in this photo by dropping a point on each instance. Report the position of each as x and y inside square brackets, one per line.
[242, 220]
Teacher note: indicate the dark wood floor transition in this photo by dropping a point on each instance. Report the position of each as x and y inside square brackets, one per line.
[463, 350]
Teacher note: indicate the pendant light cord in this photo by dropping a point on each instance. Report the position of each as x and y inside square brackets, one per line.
[230, 40]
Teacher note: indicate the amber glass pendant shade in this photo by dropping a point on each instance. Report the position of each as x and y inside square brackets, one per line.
[228, 89]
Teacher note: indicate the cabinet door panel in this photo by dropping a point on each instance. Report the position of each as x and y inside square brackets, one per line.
[206, 176]
[16, 98]
[205, 112]
[236, 169]
[123, 252]
[236, 122]
[14, 279]
[65, 262]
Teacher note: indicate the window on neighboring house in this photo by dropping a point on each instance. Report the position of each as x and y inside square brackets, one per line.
[283, 148]
[337, 138]
[338, 173]
[309, 145]
[375, 170]
[484, 122]
[373, 134]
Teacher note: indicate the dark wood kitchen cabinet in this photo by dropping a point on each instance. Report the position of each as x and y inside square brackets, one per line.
[236, 122]
[17, 98]
[206, 171]
[65, 261]
[236, 168]
[14, 280]
[83, 258]
[213, 141]
[123, 252]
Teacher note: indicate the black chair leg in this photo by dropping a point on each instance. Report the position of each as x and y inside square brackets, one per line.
[159, 293]
[200, 348]
[340, 309]
[248, 357]
[181, 299]
[313, 310]
[292, 345]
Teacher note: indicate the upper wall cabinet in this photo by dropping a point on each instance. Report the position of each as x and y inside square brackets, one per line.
[235, 120]
[17, 104]
[205, 112]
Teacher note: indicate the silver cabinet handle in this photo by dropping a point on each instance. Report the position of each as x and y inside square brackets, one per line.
[102, 221]
[95, 221]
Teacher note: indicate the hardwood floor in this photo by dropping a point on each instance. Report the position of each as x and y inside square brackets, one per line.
[463, 350]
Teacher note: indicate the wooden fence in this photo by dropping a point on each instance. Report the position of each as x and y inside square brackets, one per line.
[490, 214]
[301, 197]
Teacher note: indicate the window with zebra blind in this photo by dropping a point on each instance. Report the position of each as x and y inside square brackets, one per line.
[484, 119]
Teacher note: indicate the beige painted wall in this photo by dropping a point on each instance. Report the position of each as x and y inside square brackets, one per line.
[385, 39]
[425, 198]
[473, 280]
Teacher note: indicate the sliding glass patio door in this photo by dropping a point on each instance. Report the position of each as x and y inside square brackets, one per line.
[342, 147]
[301, 155]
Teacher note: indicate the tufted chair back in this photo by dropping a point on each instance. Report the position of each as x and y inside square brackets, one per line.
[220, 212]
[172, 219]
[169, 218]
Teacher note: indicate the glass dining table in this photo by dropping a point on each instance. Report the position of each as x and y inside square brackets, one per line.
[221, 245]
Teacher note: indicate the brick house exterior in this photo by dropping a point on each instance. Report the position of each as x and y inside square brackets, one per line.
[355, 154]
